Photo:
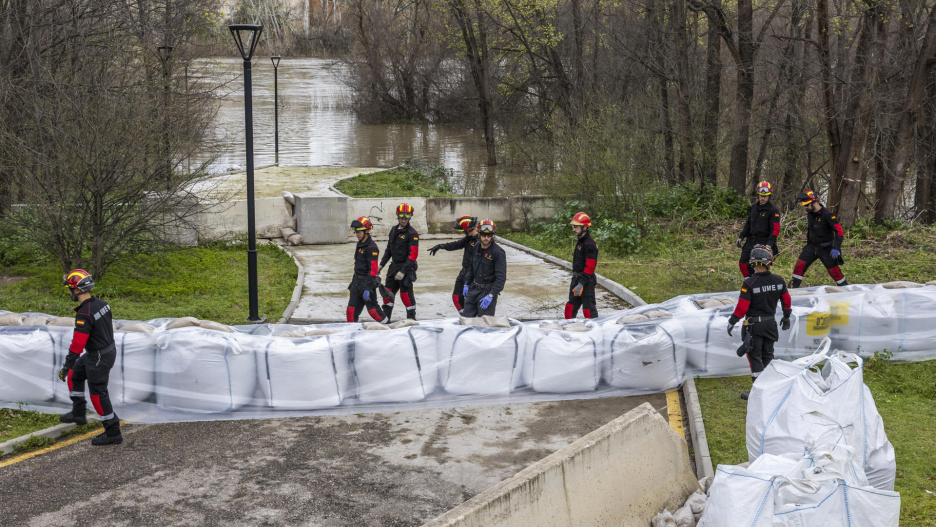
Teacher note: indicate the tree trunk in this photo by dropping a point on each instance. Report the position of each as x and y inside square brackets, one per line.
[476, 51]
[737, 172]
[668, 157]
[686, 143]
[712, 107]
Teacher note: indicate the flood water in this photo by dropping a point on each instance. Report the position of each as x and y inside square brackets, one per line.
[318, 128]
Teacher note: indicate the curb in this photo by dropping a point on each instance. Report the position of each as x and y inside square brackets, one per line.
[297, 291]
[703, 459]
[52, 432]
[629, 296]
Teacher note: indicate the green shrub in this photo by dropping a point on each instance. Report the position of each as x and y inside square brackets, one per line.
[614, 236]
[689, 201]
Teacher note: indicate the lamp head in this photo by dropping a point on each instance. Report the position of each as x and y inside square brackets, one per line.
[276, 61]
[252, 34]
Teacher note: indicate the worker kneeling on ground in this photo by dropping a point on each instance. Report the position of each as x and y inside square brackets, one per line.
[469, 226]
[758, 302]
[94, 335]
[365, 282]
[824, 237]
[761, 228]
[486, 275]
[403, 249]
[584, 261]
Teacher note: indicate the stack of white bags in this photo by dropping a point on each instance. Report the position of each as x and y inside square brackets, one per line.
[817, 449]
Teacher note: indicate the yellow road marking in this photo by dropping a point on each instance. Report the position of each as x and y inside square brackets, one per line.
[56, 446]
[674, 412]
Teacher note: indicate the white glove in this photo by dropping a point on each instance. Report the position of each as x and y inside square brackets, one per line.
[399, 276]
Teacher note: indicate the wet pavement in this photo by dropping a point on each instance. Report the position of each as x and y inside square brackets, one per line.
[393, 469]
[535, 289]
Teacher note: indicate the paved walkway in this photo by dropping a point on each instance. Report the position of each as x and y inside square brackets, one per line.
[535, 289]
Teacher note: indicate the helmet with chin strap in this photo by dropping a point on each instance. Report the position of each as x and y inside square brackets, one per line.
[78, 279]
[466, 223]
[581, 219]
[761, 255]
[362, 224]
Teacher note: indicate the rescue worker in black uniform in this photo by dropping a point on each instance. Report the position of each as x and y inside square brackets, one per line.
[487, 274]
[366, 281]
[469, 226]
[403, 249]
[761, 228]
[824, 237]
[758, 303]
[94, 335]
[584, 261]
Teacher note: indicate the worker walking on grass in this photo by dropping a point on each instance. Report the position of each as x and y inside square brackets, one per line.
[469, 226]
[824, 237]
[402, 251]
[366, 280]
[487, 274]
[584, 261]
[94, 335]
[758, 303]
[761, 228]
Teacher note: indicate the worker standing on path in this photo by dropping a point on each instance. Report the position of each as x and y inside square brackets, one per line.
[761, 228]
[365, 281]
[468, 225]
[94, 335]
[758, 303]
[584, 261]
[402, 251]
[487, 274]
[824, 237]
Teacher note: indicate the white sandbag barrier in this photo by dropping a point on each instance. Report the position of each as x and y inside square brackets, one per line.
[189, 369]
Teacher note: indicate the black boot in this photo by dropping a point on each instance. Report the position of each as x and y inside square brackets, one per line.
[411, 314]
[844, 282]
[77, 415]
[387, 311]
[744, 395]
[111, 435]
[794, 283]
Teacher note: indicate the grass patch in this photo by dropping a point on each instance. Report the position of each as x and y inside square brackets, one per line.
[425, 181]
[905, 395]
[208, 282]
[17, 423]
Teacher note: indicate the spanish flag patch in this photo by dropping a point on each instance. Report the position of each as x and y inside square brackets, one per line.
[79, 322]
[743, 290]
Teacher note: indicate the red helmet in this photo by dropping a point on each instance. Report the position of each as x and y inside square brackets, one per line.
[487, 226]
[764, 188]
[405, 210]
[806, 197]
[465, 223]
[362, 224]
[582, 219]
[78, 279]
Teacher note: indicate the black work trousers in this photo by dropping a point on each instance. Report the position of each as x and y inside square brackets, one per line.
[763, 334]
[94, 369]
[476, 293]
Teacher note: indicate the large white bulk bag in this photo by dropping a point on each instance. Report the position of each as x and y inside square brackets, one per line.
[199, 370]
[298, 374]
[481, 360]
[786, 394]
[916, 334]
[562, 361]
[133, 377]
[28, 370]
[397, 365]
[809, 325]
[863, 322]
[710, 351]
[645, 356]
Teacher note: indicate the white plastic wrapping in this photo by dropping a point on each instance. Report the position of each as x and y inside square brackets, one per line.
[558, 361]
[27, 364]
[480, 360]
[394, 365]
[645, 356]
[300, 373]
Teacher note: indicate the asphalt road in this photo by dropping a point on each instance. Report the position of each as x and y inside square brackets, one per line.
[392, 469]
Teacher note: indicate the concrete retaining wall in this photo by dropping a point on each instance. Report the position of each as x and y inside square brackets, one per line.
[225, 220]
[622, 474]
[322, 219]
[513, 212]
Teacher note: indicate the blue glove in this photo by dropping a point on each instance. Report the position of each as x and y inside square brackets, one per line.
[486, 301]
[465, 291]
[835, 253]
[366, 295]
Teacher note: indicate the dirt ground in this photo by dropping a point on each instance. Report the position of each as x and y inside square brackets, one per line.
[395, 469]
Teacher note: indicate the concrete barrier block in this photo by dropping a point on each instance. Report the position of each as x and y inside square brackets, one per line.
[526, 210]
[228, 219]
[322, 219]
[382, 213]
[622, 474]
[442, 212]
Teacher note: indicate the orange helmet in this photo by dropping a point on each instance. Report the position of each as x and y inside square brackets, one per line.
[362, 224]
[405, 210]
[806, 197]
[582, 219]
[465, 223]
[78, 279]
[487, 226]
[764, 188]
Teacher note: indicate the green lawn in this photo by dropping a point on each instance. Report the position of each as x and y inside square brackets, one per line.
[203, 282]
[703, 258]
[408, 180]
